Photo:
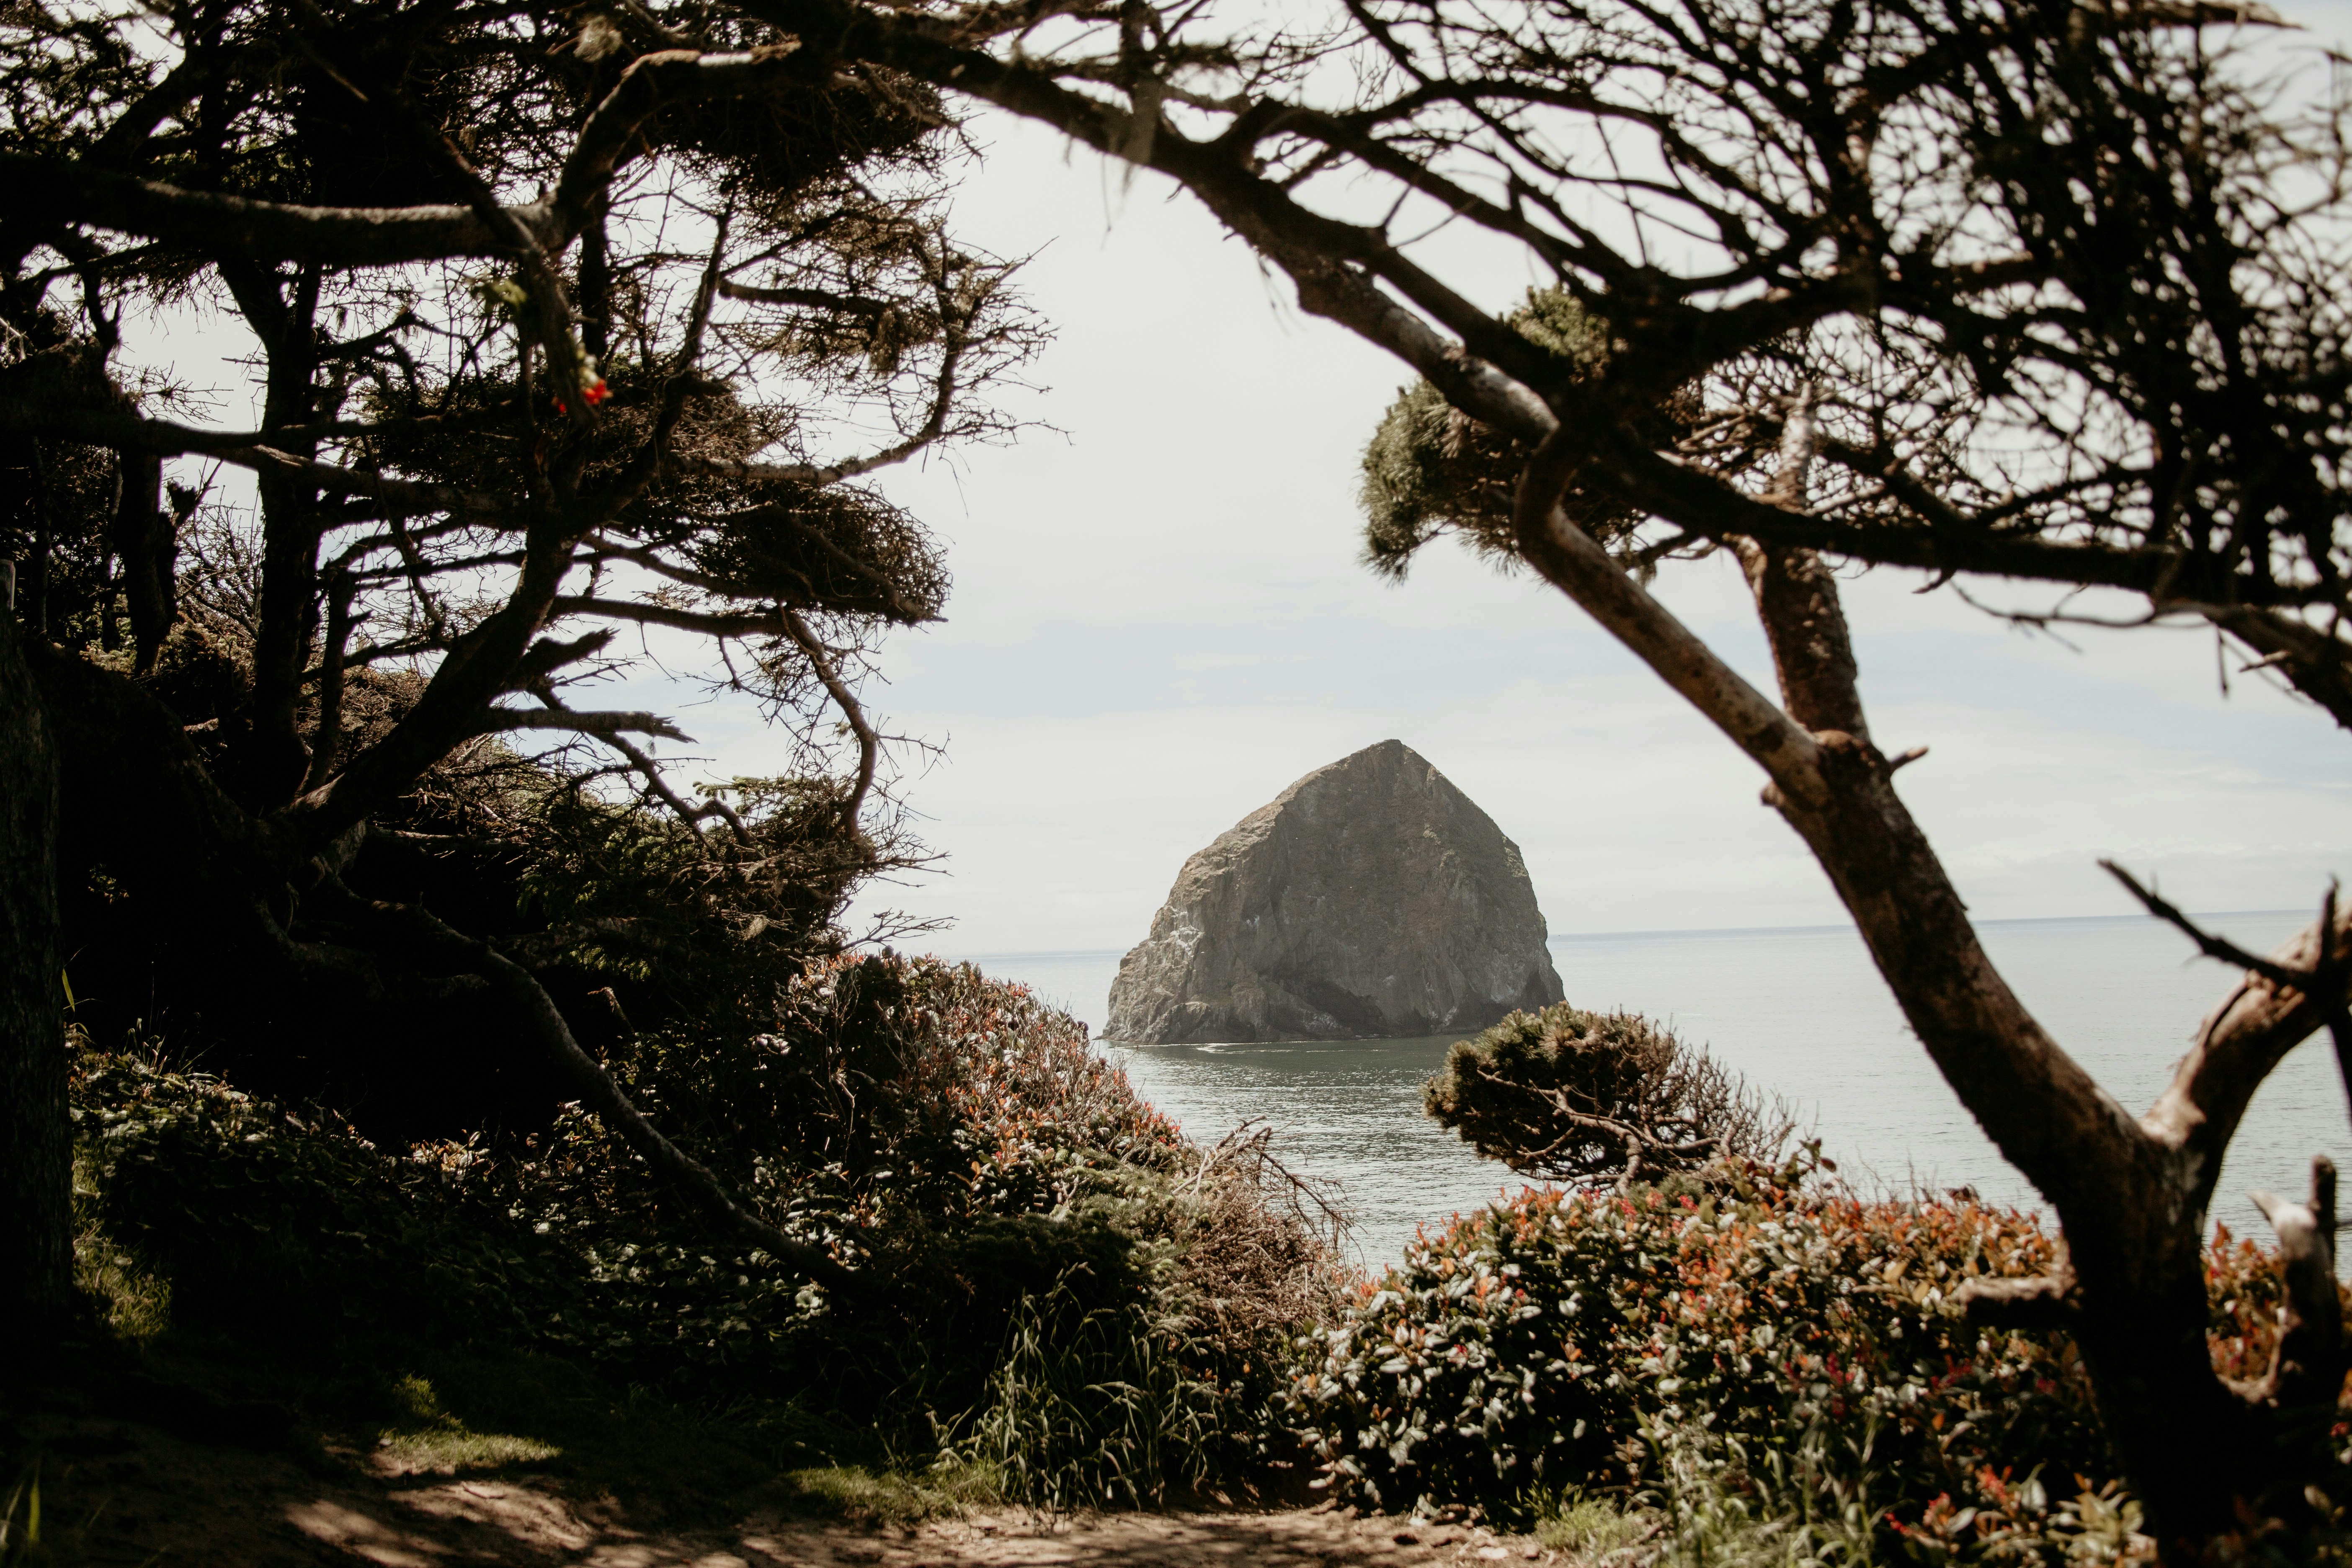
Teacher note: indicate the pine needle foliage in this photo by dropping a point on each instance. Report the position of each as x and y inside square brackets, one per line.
[1598, 1098]
[1431, 470]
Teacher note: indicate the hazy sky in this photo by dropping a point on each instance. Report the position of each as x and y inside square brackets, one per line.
[1159, 623]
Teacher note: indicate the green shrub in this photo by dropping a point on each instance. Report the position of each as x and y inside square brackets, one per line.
[970, 1146]
[1026, 1219]
[1593, 1098]
[1530, 1346]
[1763, 1348]
[286, 1224]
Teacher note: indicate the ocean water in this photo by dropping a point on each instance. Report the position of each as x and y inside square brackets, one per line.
[1801, 1011]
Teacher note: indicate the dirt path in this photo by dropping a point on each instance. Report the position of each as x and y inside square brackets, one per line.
[121, 1492]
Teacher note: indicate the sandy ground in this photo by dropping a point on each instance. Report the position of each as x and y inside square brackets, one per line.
[121, 1492]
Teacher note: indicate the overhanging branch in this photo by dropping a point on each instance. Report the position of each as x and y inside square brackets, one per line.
[64, 191]
[499, 721]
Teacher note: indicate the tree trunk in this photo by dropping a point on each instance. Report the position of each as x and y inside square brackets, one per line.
[285, 318]
[35, 1138]
[144, 541]
[2134, 1241]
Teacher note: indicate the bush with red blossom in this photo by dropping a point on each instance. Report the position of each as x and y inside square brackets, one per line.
[1553, 1342]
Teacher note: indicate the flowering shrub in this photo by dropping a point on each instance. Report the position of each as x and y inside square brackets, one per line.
[1027, 1108]
[1539, 1345]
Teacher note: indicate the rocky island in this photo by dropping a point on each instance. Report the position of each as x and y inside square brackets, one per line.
[1371, 899]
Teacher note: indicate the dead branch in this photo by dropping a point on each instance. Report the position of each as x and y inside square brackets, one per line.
[2308, 1364]
[2282, 999]
[500, 721]
[869, 744]
[2038, 1301]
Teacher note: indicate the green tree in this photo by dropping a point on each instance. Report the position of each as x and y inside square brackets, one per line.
[574, 334]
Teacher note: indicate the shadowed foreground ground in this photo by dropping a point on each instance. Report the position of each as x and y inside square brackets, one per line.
[122, 1491]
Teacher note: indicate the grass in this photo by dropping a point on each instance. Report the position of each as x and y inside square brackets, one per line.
[1724, 1507]
[134, 1302]
[20, 1526]
[894, 1497]
[428, 1437]
[1087, 1409]
[1589, 1527]
[31, 1538]
[1712, 1504]
[452, 1450]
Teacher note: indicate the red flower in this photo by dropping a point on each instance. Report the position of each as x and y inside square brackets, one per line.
[596, 394]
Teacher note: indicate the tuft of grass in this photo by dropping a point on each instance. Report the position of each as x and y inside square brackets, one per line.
[426, 1435]
[132, 1299]
[27, 1541]
[1088, 1408]
[442, 1448]
[1714, 1502]
[1726, 1506]
[893, 1497]
[133, 1303]
[1589, 1527]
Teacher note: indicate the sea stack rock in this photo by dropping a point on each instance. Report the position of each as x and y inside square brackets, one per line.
[1371, 899]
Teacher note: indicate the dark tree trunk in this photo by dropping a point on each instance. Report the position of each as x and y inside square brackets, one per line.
[2140, 1310]
[36, 1140]
[145, 542]
[284, 317]
[2135, 1281]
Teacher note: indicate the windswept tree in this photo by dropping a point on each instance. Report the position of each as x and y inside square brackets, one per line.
[2046, 292]
[1600, 1100]
[575, 333]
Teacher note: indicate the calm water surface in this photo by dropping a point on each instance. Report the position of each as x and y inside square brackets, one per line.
[1801, 1012]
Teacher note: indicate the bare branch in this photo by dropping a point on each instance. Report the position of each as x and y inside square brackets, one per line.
[58, 190]
[2282, 999]
[1578, 565]
[729, 624]
[870, 745]
[2209, 945]
[2036, 1302]
[2307, 1366]
[500, 721]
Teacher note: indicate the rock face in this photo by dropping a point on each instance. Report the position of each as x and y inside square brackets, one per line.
[1371, 899]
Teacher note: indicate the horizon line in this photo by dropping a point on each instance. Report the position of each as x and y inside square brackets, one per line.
[1686, 931]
